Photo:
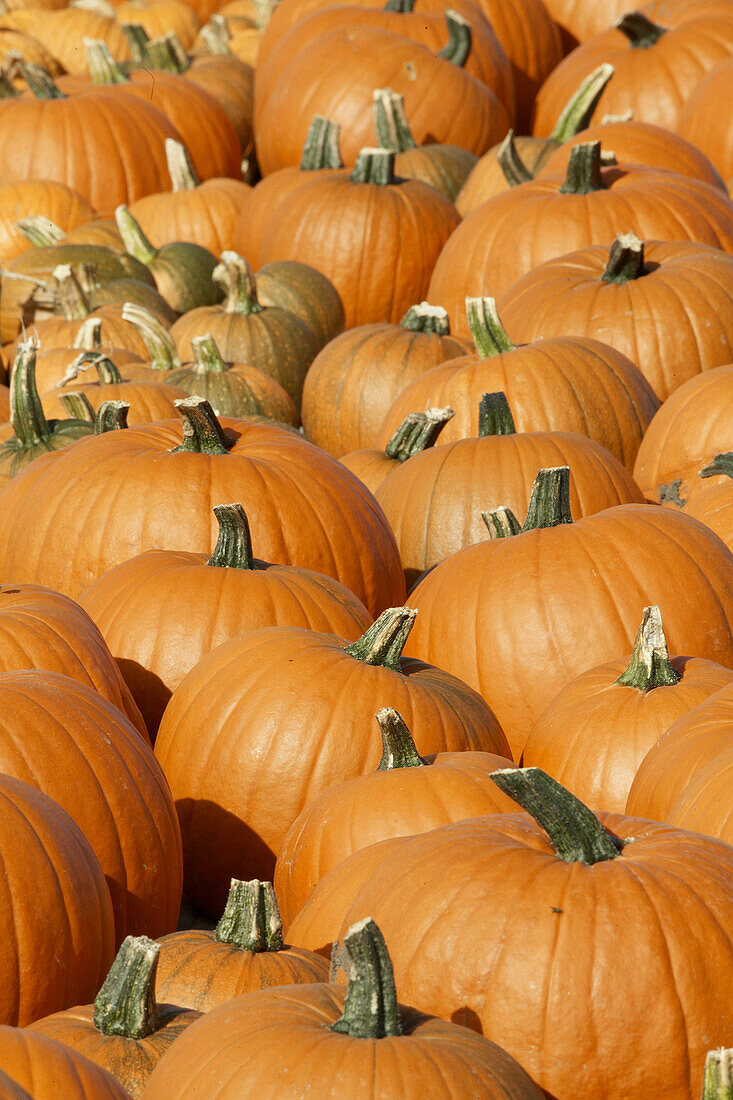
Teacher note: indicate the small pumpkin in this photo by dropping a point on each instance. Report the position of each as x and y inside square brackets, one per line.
[416, 433]
[47, 1069]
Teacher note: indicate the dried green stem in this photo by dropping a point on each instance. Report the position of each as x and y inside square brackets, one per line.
[722, 464]
[625, 260]
[416, 433]
[125, 1005]
[235, 276]
[398, 747]
[321, 149]
[162, 351]
[233, 548]
[515, 170]
[427, 318]
[579, 109]
[202, 432]
[133, 238]
[390, 121]
[489, 335]
[374, 166]
[495, 416]
[584, 172]
[639, 30]
[111, 417]
[383, 642]
[251, 920]
[370, 1008]
[458, 48]
[649, 666]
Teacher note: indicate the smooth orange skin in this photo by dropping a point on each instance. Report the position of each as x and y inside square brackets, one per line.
[434, 501]
[196, 971]
[57, 952]
[690, 429]
[48, 1069]
[705, 804]
[60, 204]
[688, 747]
[673, 322]
[350, 816]
[305, 507]
[207, 214]
[512, 234]
[148, 401]
[141, 605]
[700, 120]
[280, 1039]
[78, 749]
[551, 385]
[714, 508]
[536, 595]
[595, 733]
[370, 466]
[580, 21]
[641, 947]
[355, 379]
[271, 718]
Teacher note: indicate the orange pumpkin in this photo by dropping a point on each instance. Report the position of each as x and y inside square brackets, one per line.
[47, 1069]
[416, 433]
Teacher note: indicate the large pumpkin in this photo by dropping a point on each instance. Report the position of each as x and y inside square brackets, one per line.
[47, 1070]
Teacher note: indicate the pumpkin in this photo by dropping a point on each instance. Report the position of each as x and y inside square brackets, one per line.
[665, 306]
[714, 506]
[512, 899]
[433, 502]
[322, 1038]
[700, 119]
[687, 748]
[551, 385]
[320, 697]
[302, 290]
[125, 1030]
[139, 607]
[597, 730]
[158, 17]
[346, 226]
[44, 198]
[704, 805]
[201, 970]
[407, 794]
[353, 381]
[598, 569]
[657, 68]
[117, 489]
[690, 428]
[47, 1069]
[56, 952]
[149, 401]
[511, 234]
[52, 363]
[272, 339]
[417, 432]
[63, 33]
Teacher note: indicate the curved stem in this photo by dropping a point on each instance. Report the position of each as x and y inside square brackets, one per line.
[649, 666]
[111, 417]
[89, 336]
[206, 355]
[416, 433]
[458, 48]
[138, 40]
[72, 301]
[41, 232]
[321, 149]
[370, 1008]
[235, 276]
[575, 832]
[40, 83]
[501, 523]
[133, 238]
[488, 333]
[125, 1005]
[383, 642]
[549, 504]
[584, 170]
[251, 919]
[202, 432]
[107, 372]
[103, 68]
[398, 747]
[216, 36]
[579, 109]
[374, 166]
[77, 405]
[721, 464]
[639, 30]
[162, 352]
[390, 121]
[26, 411]
[718, 1082]
[514, 169]
[495, 416]
[233, 548]
[180, 166]
[167, 54]
[625, 260]
[427, 318]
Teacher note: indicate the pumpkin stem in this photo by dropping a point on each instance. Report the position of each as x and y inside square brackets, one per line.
[489, 335]
[111, 417]
[233, 548]
[7, 91]
[549, 504]
[216, 36]
[427, 318]
[625, 260]
[501, 523]
[416, 433]
[495, 416]
[89, 336]
[162, 351]
[580, 107]
[403, 6]
[72, 302]
[107, 372]
[374, 166]
[458, 48]
[575, 832]
[721, 464]
[125, 1005]
[40, 82]
[398, 747]
[77, 405]
[639, 30]
[370, 1008]
[202, 432]
[133, 238]
[718, 1083]
[138, 40]
[390, 121]
[649, 666]
[251, 919]
[206, 356]
[41, 232]
[584, 170]
[180, 166]
[382, 643]
[321, 149]
[103, 68]
[627, 116]
[514, 169]
[26, 411]
[235, 276]
[167, 54]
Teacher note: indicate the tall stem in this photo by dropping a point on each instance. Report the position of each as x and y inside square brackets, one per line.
[72, 301]
[111, 417]
[41, 232]
[718, 1083]
[251, 920]
[489, 335]
[233, 548]
[584, 171]
[390, 121]
[167, 54]
[235, 276]
[321, 149]
[133, 238]
[416, 433]
[495, 416]
[26, 411]
[649, 666]
[579, 109]
[458, 48]
[102, 66]
[162, 351]
[549, 504]
[125, 1005]
[370, 1008]
[202, 432]
[515, 170]
[398, 747]
[77, 405]
[180, 166]
[383, 642]
[138, 40]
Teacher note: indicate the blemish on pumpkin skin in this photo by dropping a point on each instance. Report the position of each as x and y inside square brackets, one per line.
[410, 70]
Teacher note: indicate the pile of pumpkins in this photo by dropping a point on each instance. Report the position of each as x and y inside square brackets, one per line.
[366, 550]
